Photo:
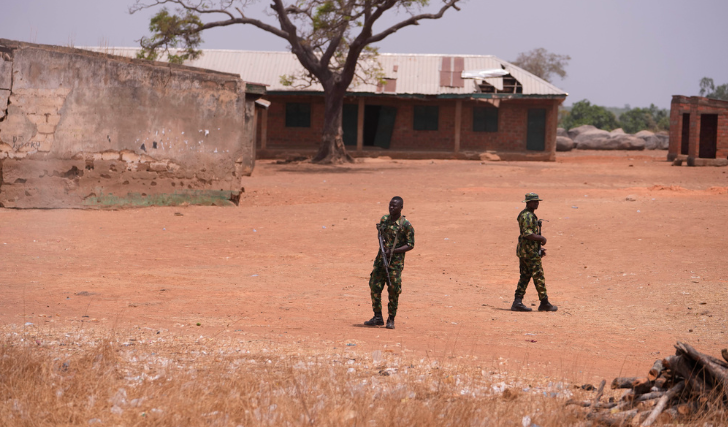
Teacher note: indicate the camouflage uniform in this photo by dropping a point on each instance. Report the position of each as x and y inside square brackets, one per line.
[405, 233]
[528, 252]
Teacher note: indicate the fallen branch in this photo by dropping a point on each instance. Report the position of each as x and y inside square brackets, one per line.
[677, 388]
[656, 370]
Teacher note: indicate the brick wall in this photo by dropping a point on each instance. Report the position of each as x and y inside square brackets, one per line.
[697, 106]
[511, 135]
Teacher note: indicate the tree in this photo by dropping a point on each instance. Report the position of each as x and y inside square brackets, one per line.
[709, 90]
[637, 119]
[542, 63]
[583, 113]
[328, 37]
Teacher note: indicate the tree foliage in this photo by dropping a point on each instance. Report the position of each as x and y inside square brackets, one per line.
[543, 63]
[709, 90]
[332, 39]
[632, 120]
[652, 118]
[172, 31]
[584, 113]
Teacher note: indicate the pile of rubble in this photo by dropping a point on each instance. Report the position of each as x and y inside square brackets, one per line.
[687, 384]
[588, 137]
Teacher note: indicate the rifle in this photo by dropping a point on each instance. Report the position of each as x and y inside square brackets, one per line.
[386, 261]
[540, 251]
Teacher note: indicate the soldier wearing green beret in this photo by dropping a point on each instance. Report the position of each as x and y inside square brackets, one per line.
[530, 252]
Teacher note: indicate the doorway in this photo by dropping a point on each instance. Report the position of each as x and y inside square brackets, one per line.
[685, 141]
[378, 125]
[536, 135]
[708, 136]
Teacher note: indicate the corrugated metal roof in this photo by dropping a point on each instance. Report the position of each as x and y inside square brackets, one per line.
[416, 74]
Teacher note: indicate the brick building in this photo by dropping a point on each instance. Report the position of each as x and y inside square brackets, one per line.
[699, 131]
[423, 108]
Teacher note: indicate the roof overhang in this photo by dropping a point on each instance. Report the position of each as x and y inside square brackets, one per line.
[501, 96]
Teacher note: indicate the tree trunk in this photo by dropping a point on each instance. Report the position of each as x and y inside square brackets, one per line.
[332, 150]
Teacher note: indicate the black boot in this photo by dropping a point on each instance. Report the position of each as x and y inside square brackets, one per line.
[377, 320]
[546, 305]
[518, 305]
[390, 323]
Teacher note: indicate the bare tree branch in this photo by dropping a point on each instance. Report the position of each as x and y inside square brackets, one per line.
[414, 20]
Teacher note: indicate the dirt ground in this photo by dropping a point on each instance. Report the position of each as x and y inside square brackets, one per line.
[290, 265]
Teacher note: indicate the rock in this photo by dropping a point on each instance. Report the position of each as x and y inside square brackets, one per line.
[627, 142]
[618, 131]
[564, 143]
[110, 155]
[574, 132]
[595, 139]
[562, 132]
[129, 156]
[489, 157]
[651, 141]
[631, 198]
[158, 166]
[664, 141]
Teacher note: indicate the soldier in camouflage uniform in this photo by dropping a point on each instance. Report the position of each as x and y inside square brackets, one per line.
[396, 230]
[529, 253]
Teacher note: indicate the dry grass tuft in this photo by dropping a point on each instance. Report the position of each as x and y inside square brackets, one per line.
[90, 381]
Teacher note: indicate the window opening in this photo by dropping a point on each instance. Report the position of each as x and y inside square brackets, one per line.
[426, 117]
[298, 115]
[485, 119]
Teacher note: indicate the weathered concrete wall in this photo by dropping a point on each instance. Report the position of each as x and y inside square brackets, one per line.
[83, 129]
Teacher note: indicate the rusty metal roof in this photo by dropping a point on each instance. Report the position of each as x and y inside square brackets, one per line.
[416, 74]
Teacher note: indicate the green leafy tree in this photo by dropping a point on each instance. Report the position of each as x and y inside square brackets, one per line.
[652, 118]
[636, 119]
[330, 38]
[709, 90]
[543, 63]
[583, 113]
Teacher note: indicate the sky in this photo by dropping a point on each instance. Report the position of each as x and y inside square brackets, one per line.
[623, 52]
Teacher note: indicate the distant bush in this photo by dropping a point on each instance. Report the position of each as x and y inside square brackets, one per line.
[632, 120]
[583, 113]
[652, 118]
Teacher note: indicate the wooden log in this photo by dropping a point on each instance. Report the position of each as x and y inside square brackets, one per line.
[624, 382]
[677, 388]
[687, 369]
[724, 353]
[695, 354]
[661, 382]
[717, 371]
[642, 385]
[655, 371]
[649, 396]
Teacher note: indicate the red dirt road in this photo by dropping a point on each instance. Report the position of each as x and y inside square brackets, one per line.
[290, 265]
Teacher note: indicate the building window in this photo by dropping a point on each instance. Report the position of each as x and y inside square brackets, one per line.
[485, 119]
[426, 117]
[298, 115]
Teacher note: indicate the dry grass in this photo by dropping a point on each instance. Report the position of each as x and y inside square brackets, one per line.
[77, 378]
